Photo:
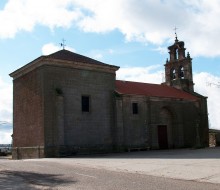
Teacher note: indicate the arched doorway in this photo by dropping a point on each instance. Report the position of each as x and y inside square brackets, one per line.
[164, 129]
[162, 136]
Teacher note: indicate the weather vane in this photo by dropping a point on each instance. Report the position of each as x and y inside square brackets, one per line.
[63, 44]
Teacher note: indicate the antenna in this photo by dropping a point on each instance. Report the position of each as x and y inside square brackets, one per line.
[214, 84]
[63, 43]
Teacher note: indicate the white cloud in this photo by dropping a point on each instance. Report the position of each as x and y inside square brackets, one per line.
[5, 112]
[148, 21]
[51, 48]
[152, 21]
[152, 74]
[161, 50]
[202, 85]
[100, 53]
[98, 56]
[111, 51]
[5, 101]
[5, 137]
[5, 133]
[24, 15]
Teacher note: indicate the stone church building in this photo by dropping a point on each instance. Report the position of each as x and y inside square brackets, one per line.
[66, 104]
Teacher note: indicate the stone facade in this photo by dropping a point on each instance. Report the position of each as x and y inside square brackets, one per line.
[140, 131]
[28, 113]
[65, 123]
[66, 103]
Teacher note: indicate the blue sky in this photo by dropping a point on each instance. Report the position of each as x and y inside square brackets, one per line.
[131, 34]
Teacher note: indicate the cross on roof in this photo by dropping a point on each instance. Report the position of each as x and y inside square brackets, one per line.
[63, 43]
[175, 31]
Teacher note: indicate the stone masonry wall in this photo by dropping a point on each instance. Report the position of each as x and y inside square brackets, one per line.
[28, 110]
[141, 130]
[135, 125]
[83, 131]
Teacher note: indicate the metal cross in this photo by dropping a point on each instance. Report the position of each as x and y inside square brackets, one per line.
[63, 44]
[175, 30]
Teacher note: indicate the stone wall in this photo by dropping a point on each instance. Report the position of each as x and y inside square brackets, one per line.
[134, 131]
[28, 128]
[141, 130]
[82, 131]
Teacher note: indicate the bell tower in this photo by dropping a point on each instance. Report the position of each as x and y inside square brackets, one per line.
[178, 69]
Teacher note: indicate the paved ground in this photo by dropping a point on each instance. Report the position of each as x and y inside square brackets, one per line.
[169, 169]
[188, 164]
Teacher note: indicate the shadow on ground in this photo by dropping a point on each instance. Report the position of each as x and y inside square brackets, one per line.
[203, 153]
[30, 180]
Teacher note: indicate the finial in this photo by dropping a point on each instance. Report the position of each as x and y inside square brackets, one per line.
[188, 55]
[176, 40]
[63, 44]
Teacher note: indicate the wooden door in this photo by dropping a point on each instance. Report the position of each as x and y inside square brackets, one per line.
[162, 137]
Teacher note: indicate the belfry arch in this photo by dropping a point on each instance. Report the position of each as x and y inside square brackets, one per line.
[181, 72]
[173, 74]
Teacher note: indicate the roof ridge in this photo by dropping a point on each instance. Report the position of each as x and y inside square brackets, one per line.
[138, 82]
[152, 90]
[72, 56]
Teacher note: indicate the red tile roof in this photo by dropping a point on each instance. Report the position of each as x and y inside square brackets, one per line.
[151, 90]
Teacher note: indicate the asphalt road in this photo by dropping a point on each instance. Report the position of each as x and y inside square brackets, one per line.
[44, 174]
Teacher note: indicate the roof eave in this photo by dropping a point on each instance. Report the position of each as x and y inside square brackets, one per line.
[44, 60]
[26, 68]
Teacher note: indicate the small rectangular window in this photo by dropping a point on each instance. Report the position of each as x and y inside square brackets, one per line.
[135, 108]
[85, 103]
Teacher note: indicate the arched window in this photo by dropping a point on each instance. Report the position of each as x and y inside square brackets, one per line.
[173, 74]
[176, 53]
[181, 72]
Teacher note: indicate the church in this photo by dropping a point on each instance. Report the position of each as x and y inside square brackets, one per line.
[66, 104]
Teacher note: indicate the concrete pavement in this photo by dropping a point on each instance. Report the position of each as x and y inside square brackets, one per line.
[202, 165]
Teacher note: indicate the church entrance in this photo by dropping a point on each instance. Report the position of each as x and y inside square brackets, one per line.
[162, 137]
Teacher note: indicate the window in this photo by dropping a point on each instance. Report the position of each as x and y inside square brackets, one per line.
[85, 103]
[135, 108]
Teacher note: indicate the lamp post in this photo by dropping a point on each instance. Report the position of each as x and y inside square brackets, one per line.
[198, 144]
